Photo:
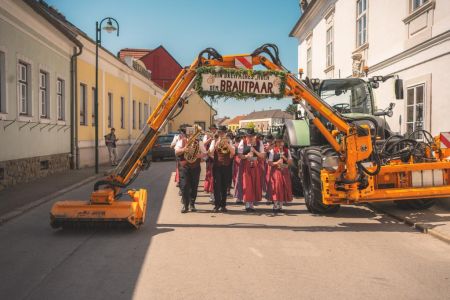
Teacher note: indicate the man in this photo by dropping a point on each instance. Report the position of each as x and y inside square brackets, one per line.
[222, 159]
[110, 141]
[189, 172]
[208, 185]
[176, 138]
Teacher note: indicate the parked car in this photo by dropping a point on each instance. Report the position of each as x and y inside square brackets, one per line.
[161, 149]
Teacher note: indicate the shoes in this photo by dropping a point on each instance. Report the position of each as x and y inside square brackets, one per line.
[180, 193]
[215, 209]
[192, 207]
[184, 209]
[239, 201]
[223, 209]
[249, 209]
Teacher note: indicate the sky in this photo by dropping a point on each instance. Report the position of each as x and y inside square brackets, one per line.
[185, 27]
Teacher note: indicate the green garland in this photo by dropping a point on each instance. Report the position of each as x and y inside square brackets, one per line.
[237, 72]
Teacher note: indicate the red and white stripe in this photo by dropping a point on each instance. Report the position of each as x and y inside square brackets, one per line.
[445, 139]
[243, 62]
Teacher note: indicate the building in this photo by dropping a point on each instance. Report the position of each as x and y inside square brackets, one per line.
[164, 69]
[35, 93]
[409, 38]
[263, 120]
[233, 124]
[163, 66]
[220, 121]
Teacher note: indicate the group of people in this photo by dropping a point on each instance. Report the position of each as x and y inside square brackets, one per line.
[256, 166]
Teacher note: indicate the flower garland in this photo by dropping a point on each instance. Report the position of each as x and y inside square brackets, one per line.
[239, 95]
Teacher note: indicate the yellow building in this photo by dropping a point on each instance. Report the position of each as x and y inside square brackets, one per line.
[126, 98]
[233, 124]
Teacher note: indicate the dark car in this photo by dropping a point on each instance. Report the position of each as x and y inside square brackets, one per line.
[161, 149]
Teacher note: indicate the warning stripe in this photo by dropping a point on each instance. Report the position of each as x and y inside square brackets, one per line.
[243, 62]
[445, 139]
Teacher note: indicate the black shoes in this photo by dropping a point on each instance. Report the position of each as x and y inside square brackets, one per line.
[192, 207]
[184, 209]
[249, 209]
[223, 209]
[215, 209]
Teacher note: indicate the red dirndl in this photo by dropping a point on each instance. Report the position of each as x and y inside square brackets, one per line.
[251, 181]
[208, 184]
[280, 184]
[177, 174]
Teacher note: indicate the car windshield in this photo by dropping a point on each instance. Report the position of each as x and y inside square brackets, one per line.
[347, 95]
[165, 139]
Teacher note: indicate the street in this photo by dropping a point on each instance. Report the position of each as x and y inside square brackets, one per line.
[355, 254]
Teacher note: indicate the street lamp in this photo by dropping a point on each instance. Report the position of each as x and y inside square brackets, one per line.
[109, 27]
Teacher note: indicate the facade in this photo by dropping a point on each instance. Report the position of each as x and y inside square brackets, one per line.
[35, 81]
[408, 38]
[233, 124]
[197, 111]
[163, 66]
[263, 120]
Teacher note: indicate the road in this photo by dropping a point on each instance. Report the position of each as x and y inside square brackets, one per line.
[355, 254]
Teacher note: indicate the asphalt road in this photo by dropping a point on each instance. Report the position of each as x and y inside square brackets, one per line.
[355, 254]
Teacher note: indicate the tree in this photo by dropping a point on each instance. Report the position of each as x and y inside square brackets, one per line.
[291, 109]
[251, 125]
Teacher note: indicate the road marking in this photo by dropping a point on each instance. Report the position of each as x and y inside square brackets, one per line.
[256, 252]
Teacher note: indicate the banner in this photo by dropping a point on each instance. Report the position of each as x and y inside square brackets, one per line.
[240, 83]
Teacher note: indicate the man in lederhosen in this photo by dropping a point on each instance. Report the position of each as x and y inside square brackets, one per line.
[189, 172]
[222, 154]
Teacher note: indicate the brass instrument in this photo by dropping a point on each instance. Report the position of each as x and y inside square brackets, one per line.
[222, 146]
[192, 146]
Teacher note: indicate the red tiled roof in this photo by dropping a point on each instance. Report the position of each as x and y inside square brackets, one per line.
[134, 52]
[236, 119]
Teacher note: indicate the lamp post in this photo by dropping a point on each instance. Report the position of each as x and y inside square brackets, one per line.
[109, 27]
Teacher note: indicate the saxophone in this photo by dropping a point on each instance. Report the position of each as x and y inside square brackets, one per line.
[192, 146]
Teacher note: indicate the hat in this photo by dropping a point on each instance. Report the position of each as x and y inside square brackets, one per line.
[222, 128]
[213, 126]
[269, 137]
[250, 132]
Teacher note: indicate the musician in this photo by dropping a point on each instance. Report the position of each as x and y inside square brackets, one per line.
[182, 131]
[208, 184]
[221, 151]
[189, 171]
[268, 145]
[230, 136]
[250, 153]
[280, 178]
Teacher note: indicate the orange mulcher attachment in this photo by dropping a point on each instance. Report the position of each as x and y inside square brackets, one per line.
[102, 208]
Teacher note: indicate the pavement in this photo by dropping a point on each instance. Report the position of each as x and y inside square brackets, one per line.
[354, 254]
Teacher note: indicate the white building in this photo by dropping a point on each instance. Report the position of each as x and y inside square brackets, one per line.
[411, 38]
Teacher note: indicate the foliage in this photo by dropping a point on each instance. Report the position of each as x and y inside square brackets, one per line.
[291, 109]
[237, 72]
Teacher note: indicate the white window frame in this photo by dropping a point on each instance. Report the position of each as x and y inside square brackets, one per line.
[83, 104]
[359, 17]
[145, 113]
[309, 61]
[110, 110]
[60, 99]
[420, 3]
[330, 46]
[44, 94]
[3, 85]
[24, 101]
[414, 107]
[122, 112]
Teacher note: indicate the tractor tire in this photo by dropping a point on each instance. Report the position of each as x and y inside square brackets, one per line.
[418, 204]
[297, 189]
[311, 164]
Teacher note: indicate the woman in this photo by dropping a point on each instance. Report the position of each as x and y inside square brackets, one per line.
[250, 152]
[237, 171]
[268, 145]
[280, 178]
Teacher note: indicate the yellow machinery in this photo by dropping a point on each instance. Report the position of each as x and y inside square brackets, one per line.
[349, 171]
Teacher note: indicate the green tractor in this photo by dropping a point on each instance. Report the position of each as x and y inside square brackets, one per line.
[351, 97]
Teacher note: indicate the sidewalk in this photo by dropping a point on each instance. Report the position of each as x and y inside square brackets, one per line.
[434, 221]
[21, 197]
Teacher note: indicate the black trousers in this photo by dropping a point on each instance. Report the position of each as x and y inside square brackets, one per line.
[189, 178]
[221, 176]
[230, 175]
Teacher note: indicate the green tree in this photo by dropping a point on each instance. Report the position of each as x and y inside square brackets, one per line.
[251, 125]
[291, 109]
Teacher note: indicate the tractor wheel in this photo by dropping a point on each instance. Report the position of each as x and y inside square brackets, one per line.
[312, 185]
[297, 189]
[418, 204]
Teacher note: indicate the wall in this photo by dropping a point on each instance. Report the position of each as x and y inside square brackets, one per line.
[163, 66]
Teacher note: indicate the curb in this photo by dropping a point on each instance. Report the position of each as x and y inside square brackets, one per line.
[27, 207]
[424, 228]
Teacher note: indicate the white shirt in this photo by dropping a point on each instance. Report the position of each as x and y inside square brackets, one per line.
[179, 145]
[259, 148]
[213, 145]
[272, 153]
[175, 140]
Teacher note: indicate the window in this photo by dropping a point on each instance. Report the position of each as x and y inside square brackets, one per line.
[24, 89]
[145, 113]
[330, 59]
[415, 4]
[110, 110]
[133, 117]
[122, 112]
[361, 22]
[43, 95]
[309, 62]
[60, 98]
[83, 104]
[2, 83]
[140, 115]
[415, 113]
[93, 107]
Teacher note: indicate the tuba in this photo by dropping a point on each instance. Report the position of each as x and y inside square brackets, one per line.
[192, 146]
[222, 146]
